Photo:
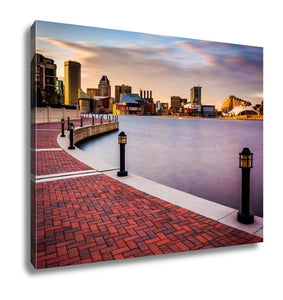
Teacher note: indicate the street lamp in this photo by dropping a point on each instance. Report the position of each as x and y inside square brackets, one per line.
[245, 163]
[71, 136]
[122, 140]
[62, 127]
[68, 120]
[246, 159]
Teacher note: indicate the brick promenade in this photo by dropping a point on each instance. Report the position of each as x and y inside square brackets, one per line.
[96, 218]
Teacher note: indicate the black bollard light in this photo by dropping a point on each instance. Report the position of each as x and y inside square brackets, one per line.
[71, 136]
[92, 120]
[81, 121]
[245, 163]
[122, 140]
[68, 120]
[101, 120]
[62, 128]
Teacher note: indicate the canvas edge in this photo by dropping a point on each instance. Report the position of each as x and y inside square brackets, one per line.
[32, 146]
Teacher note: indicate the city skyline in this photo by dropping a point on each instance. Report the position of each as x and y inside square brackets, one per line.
[166, 65]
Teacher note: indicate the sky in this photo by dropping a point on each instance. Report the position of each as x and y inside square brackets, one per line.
[169, 66]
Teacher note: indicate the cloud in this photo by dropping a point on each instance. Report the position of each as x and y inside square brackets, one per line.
[166, 68]
[82, 49]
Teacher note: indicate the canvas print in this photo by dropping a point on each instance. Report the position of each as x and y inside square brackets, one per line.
[142, 144]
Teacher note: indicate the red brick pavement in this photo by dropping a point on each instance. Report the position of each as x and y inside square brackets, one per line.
[45, 139]
[96, 218]
[54, 162]
[46, 133]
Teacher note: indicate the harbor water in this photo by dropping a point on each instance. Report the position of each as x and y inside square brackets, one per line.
[197, 156]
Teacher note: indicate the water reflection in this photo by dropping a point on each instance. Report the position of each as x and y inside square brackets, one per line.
[198, 156]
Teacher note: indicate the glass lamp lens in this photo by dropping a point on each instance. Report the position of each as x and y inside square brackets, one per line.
[122, 139]
[246, 161]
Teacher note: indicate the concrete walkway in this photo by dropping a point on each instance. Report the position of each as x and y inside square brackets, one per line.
[85, 213]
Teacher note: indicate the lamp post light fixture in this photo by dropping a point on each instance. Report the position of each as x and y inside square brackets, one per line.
[62, 128]
[101, 120]
[245, 163]
[71, 136]
[81, 121]
[122, 140]
[68, 120]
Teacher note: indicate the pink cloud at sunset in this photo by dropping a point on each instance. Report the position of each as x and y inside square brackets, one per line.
[166, 65]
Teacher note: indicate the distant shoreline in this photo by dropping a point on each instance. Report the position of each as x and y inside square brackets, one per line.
[241, 118]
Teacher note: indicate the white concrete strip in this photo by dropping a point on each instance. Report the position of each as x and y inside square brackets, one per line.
[259, 233]
[223, 214]
[87, 159]
[46, 149]
[256, 228]
[59, 176]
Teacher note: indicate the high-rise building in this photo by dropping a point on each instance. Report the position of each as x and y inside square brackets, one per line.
[92, 92]
[85, 102]
[177, 102]
[60, 90]
[44, 74]
[121, 90]
[104, 86]
[72, 81]
[195, 96]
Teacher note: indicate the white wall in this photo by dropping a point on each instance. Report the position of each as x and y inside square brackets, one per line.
[248, 272]
[49, 114]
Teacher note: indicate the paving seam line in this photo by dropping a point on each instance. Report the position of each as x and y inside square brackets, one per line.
[230, 213]
[108, 170]
[258, 230]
